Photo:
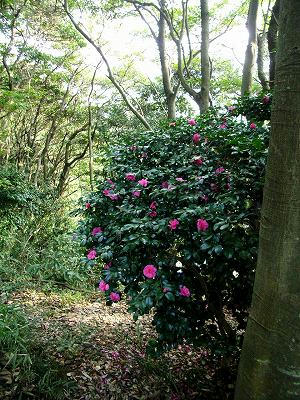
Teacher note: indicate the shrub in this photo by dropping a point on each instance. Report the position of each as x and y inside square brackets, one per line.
[255, 108]
[173, 227]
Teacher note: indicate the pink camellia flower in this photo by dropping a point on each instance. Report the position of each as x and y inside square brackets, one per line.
[103, 286]
[96, 230]
[92, 254]
[192, 122]
[219, 170]
[106, 192]
[114, 296]
[223, 126]
[204, 198]
[184, 291]
[107, 266]
[173, 224]
[165, 290]
[231, 108]
[153, 205]
[196, 138]
[110, 182]
[179, 179]
[165, 185]
[143, 182]
[130, 177]
[149, 271]
[198, 161]
[266, 99]
[172, 124]
[153, 213]
[136, 193]
[113, 197]
[202, 225]
[132, 148]
[87, 205]
[252, 125]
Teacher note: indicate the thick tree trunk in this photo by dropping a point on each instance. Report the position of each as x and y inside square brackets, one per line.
[270, 362]
[205, 65]
[251, 48]
[272, 41]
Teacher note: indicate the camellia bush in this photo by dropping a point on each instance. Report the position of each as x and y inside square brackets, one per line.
[173, 227]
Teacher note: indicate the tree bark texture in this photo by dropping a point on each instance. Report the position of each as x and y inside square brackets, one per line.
[270, 361]
[170, 93]
[205, 64]
[272, 41]
[261, 41]
[250, 55]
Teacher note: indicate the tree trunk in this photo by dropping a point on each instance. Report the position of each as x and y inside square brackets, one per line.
[272, 41]
[205, 65]
[261, 41]
[270, 361]
[251, 48]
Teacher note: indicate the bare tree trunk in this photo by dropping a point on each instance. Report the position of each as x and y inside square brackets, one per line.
[205, 64]
[272, 41]
[261, 42]
[250, 55]
[270, 362]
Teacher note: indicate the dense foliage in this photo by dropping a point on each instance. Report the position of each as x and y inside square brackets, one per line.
[34, 242]
[174, 226]
[256, 108]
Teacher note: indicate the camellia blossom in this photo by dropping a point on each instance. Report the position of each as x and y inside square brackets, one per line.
[204, 198]
[153, 213]
[153, 205]
[179, 179]
[196, 138]
[108, 265]
[133, 148]
[113, 196]
[130, 177]
[266, 99]
[96, 230]
[192, 122]
[198, 161]
[114, 296]
[252, 125]
[184, 291]
[143, 182]
[103, 286]
[202, 225]
[106, 192]
[173, 224]
[223, 126]
[92, 254]
[149, 271]
[165, 185]
[136, 193]
[87, 205]
[219, 170]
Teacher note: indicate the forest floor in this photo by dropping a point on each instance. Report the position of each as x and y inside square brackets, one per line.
[78, 348]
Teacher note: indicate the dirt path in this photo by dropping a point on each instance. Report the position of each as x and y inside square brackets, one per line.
[101, 350]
